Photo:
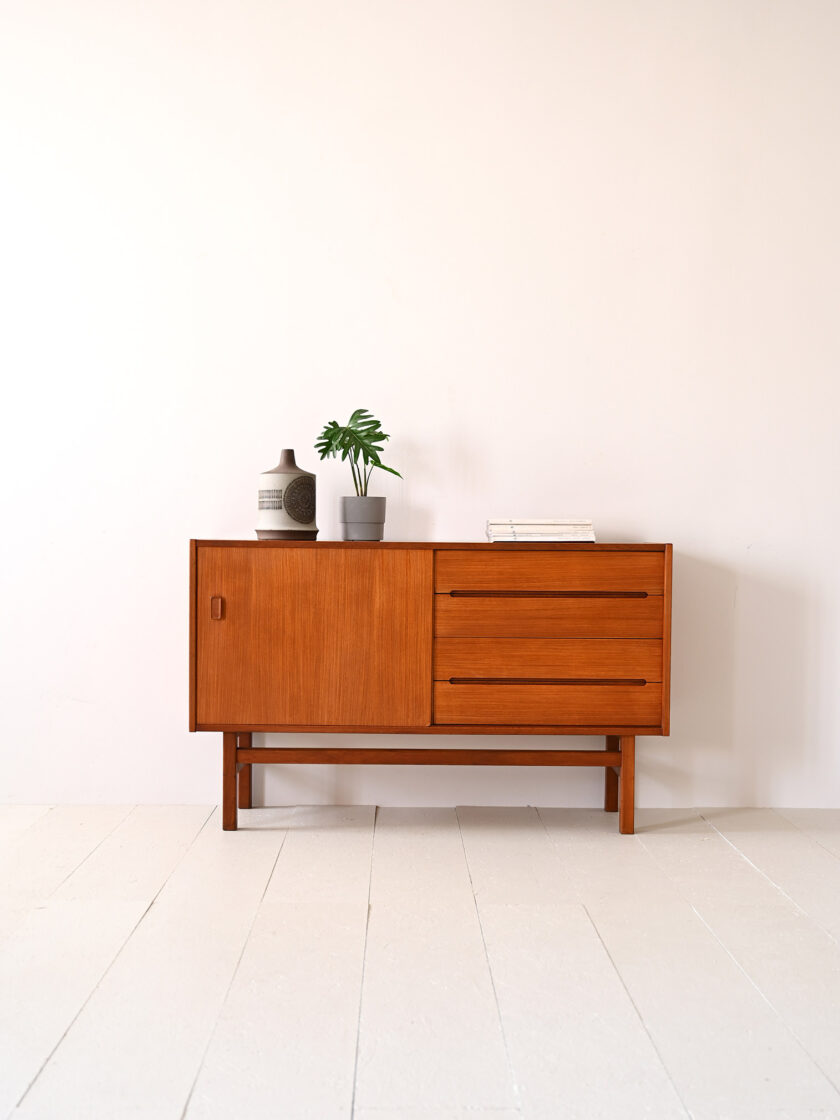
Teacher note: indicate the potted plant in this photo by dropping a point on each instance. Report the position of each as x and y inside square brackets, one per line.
[362, 517]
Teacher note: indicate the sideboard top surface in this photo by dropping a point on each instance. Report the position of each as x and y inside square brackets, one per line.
[485, 546]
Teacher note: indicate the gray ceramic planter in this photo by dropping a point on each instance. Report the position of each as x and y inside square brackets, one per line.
[362, 519]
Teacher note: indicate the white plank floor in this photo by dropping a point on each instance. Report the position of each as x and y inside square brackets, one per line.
[409, 964]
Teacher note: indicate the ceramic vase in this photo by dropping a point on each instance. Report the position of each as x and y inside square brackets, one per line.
[286, 502]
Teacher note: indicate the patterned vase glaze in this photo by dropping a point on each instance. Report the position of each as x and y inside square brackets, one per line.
[286, 502]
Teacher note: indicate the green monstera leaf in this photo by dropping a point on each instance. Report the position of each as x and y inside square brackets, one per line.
[358, 441]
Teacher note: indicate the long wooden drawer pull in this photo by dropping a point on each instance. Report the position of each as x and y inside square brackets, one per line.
[499, 594]
[628, 682]
[216, 608]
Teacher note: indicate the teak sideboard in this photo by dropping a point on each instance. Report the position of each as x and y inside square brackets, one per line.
[425, 639]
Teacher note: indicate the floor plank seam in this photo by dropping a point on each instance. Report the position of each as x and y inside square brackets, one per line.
[804, 832]
[96, 847]
[799, 909]
[744, 971]
[620, 978]
[115, 957]
[511, 1069]
[212, 1032]
[15, 837]
[638, 1014]
[364, 963]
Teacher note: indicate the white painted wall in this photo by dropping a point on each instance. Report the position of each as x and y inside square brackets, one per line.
[582, 259]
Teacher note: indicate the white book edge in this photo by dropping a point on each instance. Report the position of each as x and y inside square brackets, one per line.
[549, 523]
[526, 532]
[530, 533]
[522, 533]
[579, 538]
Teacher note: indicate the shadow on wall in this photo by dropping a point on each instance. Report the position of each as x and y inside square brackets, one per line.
[777, 643]
[740, 694]
[702, 659]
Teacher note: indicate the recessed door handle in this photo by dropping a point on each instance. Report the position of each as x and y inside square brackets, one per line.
[217, 604]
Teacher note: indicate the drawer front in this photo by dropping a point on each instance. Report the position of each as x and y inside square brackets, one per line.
[594, 705]
[550, 571]
[495, 616]
[547, 658]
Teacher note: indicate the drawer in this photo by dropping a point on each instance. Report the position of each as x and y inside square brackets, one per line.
[549, 571]
[495, 616]
[552, 658]
[579, 705]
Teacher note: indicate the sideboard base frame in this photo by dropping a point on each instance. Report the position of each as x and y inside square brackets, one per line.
[239, 755]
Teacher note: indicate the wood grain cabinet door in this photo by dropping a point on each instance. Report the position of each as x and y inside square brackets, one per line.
[313, 636]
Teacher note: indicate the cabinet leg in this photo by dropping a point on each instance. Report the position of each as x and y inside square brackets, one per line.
[627, 784]
[229, 781]
[611, 779]
[245, 788]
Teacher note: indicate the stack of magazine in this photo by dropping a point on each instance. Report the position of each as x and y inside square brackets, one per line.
[533, 532]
